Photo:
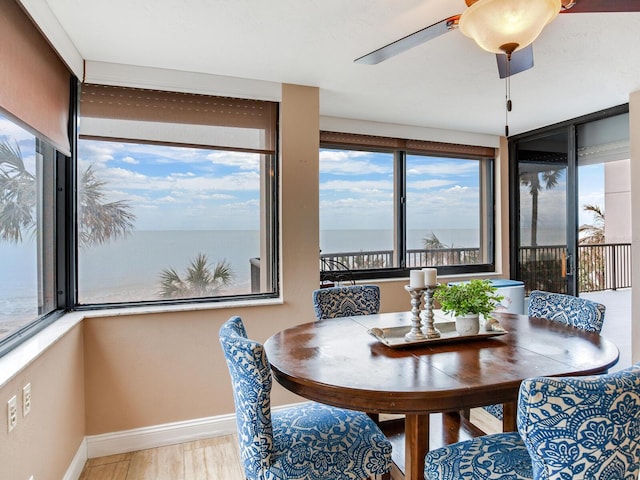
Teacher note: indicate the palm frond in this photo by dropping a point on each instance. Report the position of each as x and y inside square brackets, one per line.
[593, 234]
[17, 194]
[100, 222]
[432, 241]
[11, 157]
[199, 281]
[170, 283]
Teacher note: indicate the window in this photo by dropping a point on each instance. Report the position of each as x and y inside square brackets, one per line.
[34, 118]
[363, 236]
[388, 205]
[27, 229]
[176, 197]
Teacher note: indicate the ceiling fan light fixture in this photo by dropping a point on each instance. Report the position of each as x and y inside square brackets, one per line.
[496, 25]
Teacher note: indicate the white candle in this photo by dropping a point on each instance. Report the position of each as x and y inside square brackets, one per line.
[430, 277]
[416, 279]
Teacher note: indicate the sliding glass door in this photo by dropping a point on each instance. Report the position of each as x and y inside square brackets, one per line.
[545, 233]
[559, 242]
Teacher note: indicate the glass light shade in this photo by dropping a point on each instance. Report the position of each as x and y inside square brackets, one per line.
[495, 23]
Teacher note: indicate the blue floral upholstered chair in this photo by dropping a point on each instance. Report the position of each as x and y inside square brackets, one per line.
[569, 310]
[577, 312]
[346, 300]
[307, 442]
[568, 428]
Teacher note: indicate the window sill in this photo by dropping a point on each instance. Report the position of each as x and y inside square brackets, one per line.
[24, 354]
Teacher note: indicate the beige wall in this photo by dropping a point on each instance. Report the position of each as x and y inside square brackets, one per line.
[123, 372]
[150, 369]
[617, 199]
[44, 442]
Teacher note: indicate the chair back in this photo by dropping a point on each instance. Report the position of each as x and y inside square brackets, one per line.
[346, 301]
[578, 312]
[582, 427]
[251, 379]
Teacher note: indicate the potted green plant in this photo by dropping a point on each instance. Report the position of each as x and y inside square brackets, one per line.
[467, 301]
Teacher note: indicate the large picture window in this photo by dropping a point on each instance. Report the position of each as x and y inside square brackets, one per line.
[175, 197]
[445, 216]
[27, 230]
[388, 205]
[356, 208]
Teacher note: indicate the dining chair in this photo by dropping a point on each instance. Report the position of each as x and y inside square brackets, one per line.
[309, 441]
[346, 300]
[568, 428]
[575, 311]
[569, 310]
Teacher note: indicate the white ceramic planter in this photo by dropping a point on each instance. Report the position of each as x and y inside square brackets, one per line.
[468, 324]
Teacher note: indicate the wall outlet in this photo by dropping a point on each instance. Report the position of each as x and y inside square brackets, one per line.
[26, 399]
[12, 413]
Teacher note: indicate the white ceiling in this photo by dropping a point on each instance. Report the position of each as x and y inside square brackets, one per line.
[583, 62]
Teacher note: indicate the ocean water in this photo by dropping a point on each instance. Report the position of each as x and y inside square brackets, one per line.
[125, 269]
[134, 264]
[336, 241]
[129, 269]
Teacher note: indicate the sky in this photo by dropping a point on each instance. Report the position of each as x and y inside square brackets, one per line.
[177, 188]
[356, 191]
[197, 189]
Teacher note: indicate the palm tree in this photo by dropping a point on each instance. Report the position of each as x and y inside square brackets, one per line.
[531, 179]
[17, 194]
[431, 241]
[199, 281]
[594, 233]
[592, 261]
[98, 221]
[437, 252]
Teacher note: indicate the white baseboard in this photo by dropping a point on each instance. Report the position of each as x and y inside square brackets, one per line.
[159, 435]
[77, 464]
[150, 437]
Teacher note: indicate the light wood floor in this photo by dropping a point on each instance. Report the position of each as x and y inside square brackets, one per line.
[212, 459]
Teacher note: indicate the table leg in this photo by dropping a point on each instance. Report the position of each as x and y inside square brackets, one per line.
[509, 412]
[416, 431]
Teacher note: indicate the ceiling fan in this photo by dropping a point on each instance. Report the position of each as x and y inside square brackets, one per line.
[504, 27]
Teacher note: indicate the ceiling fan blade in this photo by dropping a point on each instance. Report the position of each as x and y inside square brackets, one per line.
[602, 6]
[410, 41]
[521, 60]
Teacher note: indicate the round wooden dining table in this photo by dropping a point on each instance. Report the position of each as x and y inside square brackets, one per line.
[338, 362]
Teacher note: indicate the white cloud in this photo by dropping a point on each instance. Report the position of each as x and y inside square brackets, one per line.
[13, 132]
[242, 160]
[443, 168]
[130, 160]
[362, 186]
[98, 152]
[458, 189]
[351, 163]
[167, 199]
[428, 184]
[341, 155]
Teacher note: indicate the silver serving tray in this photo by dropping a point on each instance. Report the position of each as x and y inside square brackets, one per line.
[393, 337]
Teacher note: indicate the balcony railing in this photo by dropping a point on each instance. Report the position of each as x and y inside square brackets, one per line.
[600, 267]
[384, 258]
[605, 266]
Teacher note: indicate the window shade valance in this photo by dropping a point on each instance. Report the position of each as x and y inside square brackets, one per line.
[185, 118]
[34, 82]
[417, 146]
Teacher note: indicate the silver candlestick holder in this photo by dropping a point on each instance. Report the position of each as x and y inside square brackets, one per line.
[416, 325]
[428, 329]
